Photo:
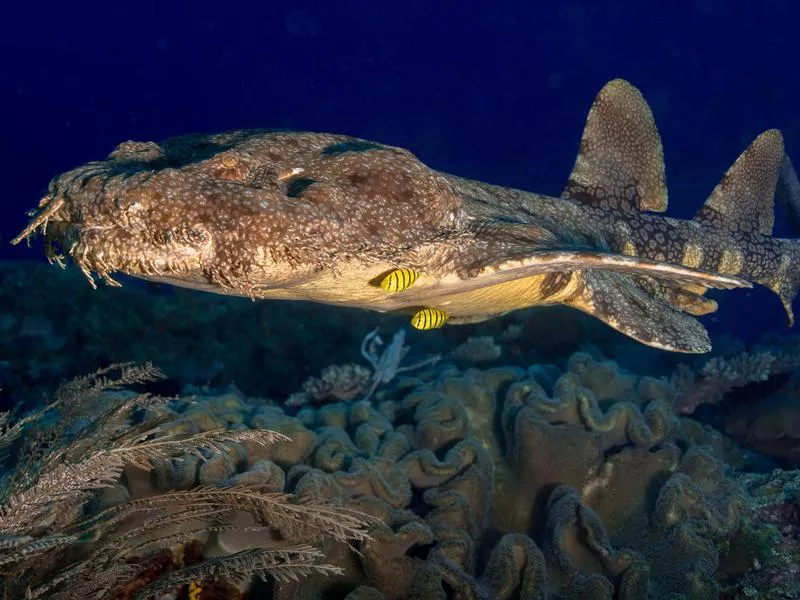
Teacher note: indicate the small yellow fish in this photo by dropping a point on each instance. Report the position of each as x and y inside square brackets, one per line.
[399, 280]
[429, 318]
[195, 589]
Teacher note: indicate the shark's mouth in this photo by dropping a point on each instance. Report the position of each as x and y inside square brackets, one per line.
[101, 249]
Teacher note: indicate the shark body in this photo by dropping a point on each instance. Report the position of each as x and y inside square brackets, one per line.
[325, 218]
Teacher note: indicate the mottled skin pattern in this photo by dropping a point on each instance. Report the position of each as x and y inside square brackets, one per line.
[324, 217]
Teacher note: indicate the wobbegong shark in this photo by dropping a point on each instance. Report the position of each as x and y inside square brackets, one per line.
[345, 221]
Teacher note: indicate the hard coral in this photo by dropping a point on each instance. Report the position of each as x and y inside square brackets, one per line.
[719, 375]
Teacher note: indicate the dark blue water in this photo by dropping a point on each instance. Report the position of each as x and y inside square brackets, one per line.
[495, 91]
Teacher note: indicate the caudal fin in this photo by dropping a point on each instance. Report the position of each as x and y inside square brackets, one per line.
[788, 193]
[785, 281]
[743, 202]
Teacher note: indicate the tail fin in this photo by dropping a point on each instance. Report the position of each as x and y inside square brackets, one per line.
[744, 202]
[787, 194]
[786, 282]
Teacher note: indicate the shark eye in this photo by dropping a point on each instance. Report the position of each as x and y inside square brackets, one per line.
[229, 161]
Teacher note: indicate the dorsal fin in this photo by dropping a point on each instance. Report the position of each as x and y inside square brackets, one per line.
[743, 200]
[621, 162]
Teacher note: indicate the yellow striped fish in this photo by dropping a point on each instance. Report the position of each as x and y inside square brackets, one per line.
[399, 280]
[429, 318]
[195, 589]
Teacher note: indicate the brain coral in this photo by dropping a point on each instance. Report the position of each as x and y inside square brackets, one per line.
[498, 483]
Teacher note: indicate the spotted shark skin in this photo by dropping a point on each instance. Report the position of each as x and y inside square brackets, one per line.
[325, 218]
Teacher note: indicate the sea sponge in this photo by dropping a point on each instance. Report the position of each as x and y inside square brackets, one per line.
[334, 450]
[619, 460]
[578, 545]
[284, 453]
[216, 470]
[365, 592]
[178, 473]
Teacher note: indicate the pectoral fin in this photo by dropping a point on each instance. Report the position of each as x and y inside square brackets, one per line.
[538, 263]
[625, 304]
[515, 276]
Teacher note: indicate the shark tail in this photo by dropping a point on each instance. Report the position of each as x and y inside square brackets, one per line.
[620, 165]
[785, 281]
[634, 288]
[787, 194]
[743, 202]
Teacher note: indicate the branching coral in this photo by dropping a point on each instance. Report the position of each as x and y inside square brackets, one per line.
[336, 382]
[719, 375]
[478, 350]
[53, 544]
[346, 382]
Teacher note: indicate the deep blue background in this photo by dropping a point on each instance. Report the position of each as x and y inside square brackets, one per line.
[491, 90]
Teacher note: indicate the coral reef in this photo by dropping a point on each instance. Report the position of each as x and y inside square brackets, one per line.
[489, 473]
[720, 375]
[770, 426]
[763, 558]
[68, 528]
[496, 483]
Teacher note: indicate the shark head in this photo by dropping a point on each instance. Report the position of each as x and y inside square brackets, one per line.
[241, 211]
